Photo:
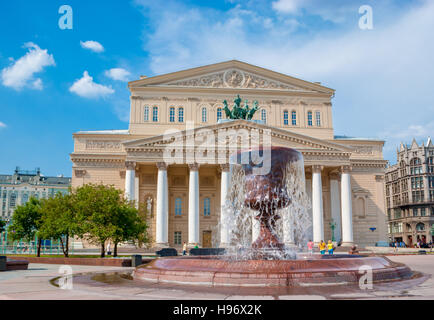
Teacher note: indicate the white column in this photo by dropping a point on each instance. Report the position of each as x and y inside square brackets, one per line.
[162, 223]
[317, 205]
[136, 190]
[224, 214]
[309, 195]
[130, 180]
[347, 215]
[288, 230]
[193, 205]
[335, 203]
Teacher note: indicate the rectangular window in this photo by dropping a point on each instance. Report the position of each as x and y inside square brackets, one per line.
[206, 207]
[178, 207]
[204, 115]
[309, 119]
[172, 114]
[219, 114]
[146, 114]
[422, 212]
[318, 119]
[155, 114]
[414, 212]
[294, 118]
[285, 118]
[177, 237]
[181, 115]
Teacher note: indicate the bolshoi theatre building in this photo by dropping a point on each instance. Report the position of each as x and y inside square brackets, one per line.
[174, 157]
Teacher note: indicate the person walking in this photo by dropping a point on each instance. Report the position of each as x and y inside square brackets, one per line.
[395, 247]
[330, 247]
[310, 245]
[109, 252]
[322, 247]
[184, 249]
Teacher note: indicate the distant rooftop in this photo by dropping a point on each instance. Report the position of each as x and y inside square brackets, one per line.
[355, 138]
[104, 132]
[33, 177]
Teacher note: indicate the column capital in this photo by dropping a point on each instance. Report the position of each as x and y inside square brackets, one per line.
[130, 165]
[334, 175]
[193, 166]
[225, 167]
[346, 169]
[162, 165]
[317, 168]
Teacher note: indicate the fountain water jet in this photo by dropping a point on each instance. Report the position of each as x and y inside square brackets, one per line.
[268, 262]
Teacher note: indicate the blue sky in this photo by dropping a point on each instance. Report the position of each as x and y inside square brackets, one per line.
[55, 82]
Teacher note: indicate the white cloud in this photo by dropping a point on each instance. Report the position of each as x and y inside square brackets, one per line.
[87, 88]
[2, 125]
[286, 6]
[94, 46]
[119, 74]
[21, 73]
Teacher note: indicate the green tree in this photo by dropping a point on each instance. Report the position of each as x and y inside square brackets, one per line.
[2, 226]
[59, 219]
[129, 225]
[26, 222]
[96, 207]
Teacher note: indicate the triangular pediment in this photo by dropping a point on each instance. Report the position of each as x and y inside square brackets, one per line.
[238, 128]
[231, 75]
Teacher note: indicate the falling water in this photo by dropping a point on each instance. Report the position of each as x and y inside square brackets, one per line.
[291, 228]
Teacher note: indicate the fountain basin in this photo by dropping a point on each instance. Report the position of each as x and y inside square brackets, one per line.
[305, 271]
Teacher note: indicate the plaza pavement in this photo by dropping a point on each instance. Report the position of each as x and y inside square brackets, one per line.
[35, 284]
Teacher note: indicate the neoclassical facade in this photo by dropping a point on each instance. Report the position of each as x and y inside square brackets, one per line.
[175, 155]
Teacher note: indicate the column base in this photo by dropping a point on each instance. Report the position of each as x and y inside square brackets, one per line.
[347, 244]
[162, 245]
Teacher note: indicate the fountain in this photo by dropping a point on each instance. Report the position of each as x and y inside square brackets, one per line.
[267, 261]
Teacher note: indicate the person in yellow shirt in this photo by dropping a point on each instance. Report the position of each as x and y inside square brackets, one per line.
[322, 247]
[330, 247]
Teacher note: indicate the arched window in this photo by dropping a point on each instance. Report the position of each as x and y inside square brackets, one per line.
[420, 227]
[415, 166]
[204, 114]
[318, 118]
[24, 198]
[180, 114]
[172, 114]
[155, 114]
[146, 114]
[206, 206]
[309, 119]
[294, 118]
[178, 207]
[219, 114]
[264, 115]
[285, 117]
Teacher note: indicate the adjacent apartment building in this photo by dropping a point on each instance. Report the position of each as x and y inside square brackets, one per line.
[410, 194]
[17, 188]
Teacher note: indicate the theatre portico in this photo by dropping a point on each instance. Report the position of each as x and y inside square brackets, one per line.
[183, 175]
